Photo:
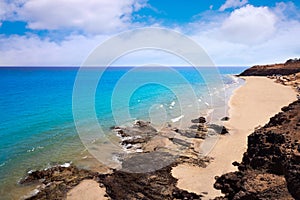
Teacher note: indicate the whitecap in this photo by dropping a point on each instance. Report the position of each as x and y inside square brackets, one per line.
[173, 103]
[66, 164]
[31, 150]
[2, 164]
[177, 118]
[234, 78]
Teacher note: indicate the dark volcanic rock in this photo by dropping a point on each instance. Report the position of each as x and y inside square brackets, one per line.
[152, 185]
[193, 133]
[140, 133]
[253, 185]
[225, 118]
[276, 69]
[56, 181]
[218, 128]
[199, 120]
[147, 162]
[271, 166]
[181, 142]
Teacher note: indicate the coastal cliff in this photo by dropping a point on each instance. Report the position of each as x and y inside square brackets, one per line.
[291, 66]
[270, 168]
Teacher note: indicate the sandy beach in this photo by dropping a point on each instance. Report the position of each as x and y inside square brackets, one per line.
[251, 105]
[87, 189]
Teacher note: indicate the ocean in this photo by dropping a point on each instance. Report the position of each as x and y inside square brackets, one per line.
[41, 117]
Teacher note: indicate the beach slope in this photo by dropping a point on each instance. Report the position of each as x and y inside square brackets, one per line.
[251, 105]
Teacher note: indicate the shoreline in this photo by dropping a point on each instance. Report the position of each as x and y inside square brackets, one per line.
[250, 105]
[86, 161]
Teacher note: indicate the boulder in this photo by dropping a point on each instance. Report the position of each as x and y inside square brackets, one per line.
[218, 128]
[225, 118]
[199, 120]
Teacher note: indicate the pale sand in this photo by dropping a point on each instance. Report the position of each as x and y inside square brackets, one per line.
[87, 190]
[251, 105]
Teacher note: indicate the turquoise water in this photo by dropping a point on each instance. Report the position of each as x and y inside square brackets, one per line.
[37, 122]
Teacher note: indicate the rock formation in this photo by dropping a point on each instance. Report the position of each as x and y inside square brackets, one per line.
[146, 169]
[56, 181]
[270, 168]
[152, 185]
[291, 66]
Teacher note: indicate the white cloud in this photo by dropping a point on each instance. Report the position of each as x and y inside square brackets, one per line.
[34, 51]
[249, 25]
[249, 35]
[246, 36]
[6, 10]
[282, 46]
[233, 4]
[93, 16]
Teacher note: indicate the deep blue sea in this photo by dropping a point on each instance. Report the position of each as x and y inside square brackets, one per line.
[37, 126]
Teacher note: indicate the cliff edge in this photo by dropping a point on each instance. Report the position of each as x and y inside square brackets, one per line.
[291, 66]
[271, 166]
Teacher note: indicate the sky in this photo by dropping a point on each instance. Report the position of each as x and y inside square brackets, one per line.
[65, 32]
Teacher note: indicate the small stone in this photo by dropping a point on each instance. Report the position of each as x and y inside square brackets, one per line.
[225, 118]
[199, 120]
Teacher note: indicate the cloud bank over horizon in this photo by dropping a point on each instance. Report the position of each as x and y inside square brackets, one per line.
[236, 32]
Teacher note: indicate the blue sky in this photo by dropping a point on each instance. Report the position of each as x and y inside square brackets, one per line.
[232, 32]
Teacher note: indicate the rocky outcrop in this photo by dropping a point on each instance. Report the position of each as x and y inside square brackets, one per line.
[144, 138]
[270, 168]
[56, 181]
[292, 80]
[291, 66]
[201, 120]
[145, 172]
[253, 184]
[152, 185]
